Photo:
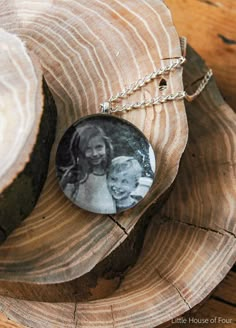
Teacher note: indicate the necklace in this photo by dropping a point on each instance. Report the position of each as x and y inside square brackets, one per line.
[105, 143]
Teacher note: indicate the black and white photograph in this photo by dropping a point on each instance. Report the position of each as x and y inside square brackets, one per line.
[105, 164]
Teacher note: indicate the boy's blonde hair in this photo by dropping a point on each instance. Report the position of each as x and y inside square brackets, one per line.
[123, 163]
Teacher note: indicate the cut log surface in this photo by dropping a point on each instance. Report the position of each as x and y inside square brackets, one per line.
[218, 311]
[209, 26]
[101, 281]
[18, 96]
[6, 323]
[190, 244]
[90, 51]
[25, 117]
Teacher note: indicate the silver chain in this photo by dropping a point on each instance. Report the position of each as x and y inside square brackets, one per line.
[106, 107]
[201, 86]
[148, 78]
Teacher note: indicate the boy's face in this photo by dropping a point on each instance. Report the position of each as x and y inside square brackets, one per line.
[121, 184]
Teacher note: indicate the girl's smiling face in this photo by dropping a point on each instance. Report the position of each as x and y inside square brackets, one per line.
[121, 184]
[95, 151]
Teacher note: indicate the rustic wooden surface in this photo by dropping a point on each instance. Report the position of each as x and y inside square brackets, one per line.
[32, 124]
[210, 29]
[84, 59]
[222, 303]
[209, 26]
[218, 311]
[190, 244]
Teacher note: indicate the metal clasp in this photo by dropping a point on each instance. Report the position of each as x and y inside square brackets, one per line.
[106, 107]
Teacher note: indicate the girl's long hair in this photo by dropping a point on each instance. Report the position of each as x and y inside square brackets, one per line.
[81, 168]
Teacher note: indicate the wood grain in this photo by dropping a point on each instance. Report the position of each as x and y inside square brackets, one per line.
[22, 95]
[220, 308]
[27, 129]
[186, 254]
[85, 49]
[218, 311]
[210, 29]
[169, 229]
[6, 323]
[100, 282]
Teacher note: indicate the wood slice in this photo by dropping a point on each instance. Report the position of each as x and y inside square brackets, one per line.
[190, 244]
[27, 129]
[6, 323]
[210, 29]
[219, 310]
[85, 49]
[101, 281]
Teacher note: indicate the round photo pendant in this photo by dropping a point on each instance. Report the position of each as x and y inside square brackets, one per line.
[105, 164]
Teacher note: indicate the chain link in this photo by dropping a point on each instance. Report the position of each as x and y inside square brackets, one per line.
[106, 107]
[153, 101]
[147, 78]
[201, 86]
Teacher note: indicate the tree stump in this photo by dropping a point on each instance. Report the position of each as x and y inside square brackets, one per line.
[219, 309]
[157, 289]
[27, 129]
[190, 244]
[209, 27]
[84, 59]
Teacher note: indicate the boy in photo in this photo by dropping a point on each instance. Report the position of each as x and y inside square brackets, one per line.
[123, 178]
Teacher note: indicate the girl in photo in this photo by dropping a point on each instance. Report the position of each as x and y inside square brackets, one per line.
[85, 181]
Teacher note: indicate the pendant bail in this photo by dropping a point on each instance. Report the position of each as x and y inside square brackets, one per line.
[106, 107]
